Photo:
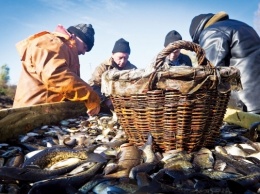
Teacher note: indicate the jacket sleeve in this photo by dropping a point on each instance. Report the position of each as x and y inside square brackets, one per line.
[97, 74]
[95, 80]
[216, 45]
[56, 75]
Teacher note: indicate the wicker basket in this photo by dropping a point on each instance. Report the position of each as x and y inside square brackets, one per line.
[182, 110]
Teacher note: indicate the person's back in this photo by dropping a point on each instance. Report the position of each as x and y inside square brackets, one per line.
[229, 42]
[50, 67]
[31, 88]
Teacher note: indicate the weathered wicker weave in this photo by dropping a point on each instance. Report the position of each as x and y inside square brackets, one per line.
[183, 108]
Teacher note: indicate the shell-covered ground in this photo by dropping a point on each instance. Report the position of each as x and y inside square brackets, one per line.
[92, 155]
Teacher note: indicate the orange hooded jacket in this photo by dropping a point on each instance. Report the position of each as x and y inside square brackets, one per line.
[51, 72]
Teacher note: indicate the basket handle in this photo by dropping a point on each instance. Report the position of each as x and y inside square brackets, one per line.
[180, 44]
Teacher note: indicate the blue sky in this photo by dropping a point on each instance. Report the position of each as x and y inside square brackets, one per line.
[143, 23]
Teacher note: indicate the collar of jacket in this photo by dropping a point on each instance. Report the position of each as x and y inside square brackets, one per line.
[111, 64]
[65, 36]
[62, 35]
[217, 17]
[62, 32]
[60, 28]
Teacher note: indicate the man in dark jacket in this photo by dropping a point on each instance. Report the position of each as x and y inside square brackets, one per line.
[229, 42]
[176, 58]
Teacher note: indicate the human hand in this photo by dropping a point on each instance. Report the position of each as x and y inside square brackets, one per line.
[93, 111]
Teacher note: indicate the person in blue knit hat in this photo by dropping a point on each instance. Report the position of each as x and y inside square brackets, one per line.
[118, 60]
[175, 58]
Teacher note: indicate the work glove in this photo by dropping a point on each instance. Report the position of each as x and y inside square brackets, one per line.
[93, 104]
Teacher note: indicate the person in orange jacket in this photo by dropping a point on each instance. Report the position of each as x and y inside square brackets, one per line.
[51, 69]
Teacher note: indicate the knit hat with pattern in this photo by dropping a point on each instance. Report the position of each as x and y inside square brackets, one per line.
[85, 32]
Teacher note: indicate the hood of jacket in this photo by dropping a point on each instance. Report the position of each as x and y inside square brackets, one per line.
[202, 21]
[197, 25]
[24, 44]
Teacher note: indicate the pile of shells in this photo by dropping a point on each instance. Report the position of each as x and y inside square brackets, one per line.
[93, 155]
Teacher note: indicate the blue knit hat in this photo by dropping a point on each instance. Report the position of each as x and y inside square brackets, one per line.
[171, 37]
[122, 46]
